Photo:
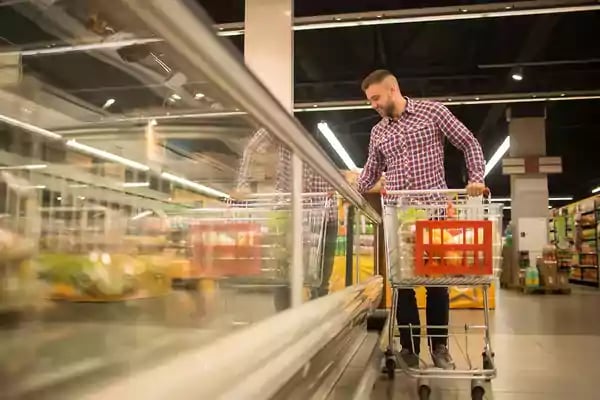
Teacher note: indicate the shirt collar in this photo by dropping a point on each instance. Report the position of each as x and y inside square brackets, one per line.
[410, 109]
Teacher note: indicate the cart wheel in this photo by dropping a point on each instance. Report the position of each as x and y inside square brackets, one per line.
[390, 367]
[477, 393]
[424, 392]
[488, 362]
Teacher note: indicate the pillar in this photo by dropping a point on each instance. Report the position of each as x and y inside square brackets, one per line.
[269, 53]
[268, 46]
[528, 182]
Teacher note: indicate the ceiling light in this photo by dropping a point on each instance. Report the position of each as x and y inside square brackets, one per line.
[175, 96]
[106, 155]
[108, 103]
[136, 184]
[142, 215]
[517, 74]
[199, 96]
[28, 167]
[337, 146]
[489, 166]
[193, 185]
[464, 10]
[28, 127]
[152, 122]
[596, 190]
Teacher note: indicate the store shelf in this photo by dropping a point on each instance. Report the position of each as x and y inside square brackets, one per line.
[584, 283]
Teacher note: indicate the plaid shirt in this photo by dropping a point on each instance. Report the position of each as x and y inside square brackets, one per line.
[410, 150]
[312, 182]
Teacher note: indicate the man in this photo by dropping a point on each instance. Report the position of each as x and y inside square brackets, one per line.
[408, 145]
[262, 142]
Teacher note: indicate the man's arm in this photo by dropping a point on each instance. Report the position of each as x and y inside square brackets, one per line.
[260, 142]
[462, 139]
[372, 170]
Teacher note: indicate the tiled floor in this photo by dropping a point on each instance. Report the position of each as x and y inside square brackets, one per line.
[547, 347]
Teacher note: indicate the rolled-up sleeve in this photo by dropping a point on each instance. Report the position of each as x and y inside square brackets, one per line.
[462, 138]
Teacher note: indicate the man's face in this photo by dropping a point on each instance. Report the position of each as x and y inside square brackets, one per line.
[380, 97]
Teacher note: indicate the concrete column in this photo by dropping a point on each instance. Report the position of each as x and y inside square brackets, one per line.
[269, 46]
[269, 53]
[529, 192]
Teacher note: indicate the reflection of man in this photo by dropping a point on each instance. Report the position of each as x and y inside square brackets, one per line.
[408, 145]
[262, 142]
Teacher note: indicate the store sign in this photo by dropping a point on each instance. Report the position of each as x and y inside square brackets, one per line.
[11, 71]
[531, 165]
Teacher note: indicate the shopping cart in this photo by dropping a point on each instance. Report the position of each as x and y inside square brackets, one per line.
[442, 238]
[249, 242]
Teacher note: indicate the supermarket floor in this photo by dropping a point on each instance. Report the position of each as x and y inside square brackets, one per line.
[547, 347]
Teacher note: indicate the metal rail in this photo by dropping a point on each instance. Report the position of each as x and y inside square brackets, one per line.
[255, 362]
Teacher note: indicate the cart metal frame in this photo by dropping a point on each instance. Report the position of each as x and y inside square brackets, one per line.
[433, 205]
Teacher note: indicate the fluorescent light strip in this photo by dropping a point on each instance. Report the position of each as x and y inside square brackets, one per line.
[459, 102]
[29, 127]
[193, 185]
[501, 10]
[337, 146]
[27, 167]
[506, 199]
[142, 215]
[510, 208]
[107, 44]
[489, 166]
[106, 155]
[596, 190]
[136, 184]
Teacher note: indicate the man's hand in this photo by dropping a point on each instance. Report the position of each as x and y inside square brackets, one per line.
[475, 189]
[352, 178]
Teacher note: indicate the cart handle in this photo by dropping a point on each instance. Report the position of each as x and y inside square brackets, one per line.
[384, 192]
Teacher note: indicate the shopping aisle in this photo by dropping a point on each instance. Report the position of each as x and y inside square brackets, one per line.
[547, 347]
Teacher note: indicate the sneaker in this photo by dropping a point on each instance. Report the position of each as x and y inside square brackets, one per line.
[409, 358]
[441, 357]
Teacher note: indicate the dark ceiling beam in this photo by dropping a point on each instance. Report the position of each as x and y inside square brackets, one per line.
[428, 14]
[473, 99]
[536, 41]
[541, 63]
[356, 82]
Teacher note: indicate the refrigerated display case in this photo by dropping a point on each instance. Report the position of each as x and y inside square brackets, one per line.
[116, 132]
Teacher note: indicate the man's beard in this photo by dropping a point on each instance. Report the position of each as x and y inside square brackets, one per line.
[389, 110]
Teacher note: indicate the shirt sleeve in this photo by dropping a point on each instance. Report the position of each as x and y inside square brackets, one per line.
[373, 168]
[259, 143]
[462, 138]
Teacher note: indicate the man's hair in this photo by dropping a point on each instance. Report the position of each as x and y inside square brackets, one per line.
[375, 77]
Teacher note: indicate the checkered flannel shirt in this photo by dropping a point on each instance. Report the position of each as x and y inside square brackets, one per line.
[312, 182]
[410, 150]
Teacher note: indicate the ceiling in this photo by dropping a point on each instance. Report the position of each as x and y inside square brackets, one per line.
[451, 58]
[431, 59]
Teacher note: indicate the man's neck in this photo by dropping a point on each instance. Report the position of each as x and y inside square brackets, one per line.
[400, 107]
